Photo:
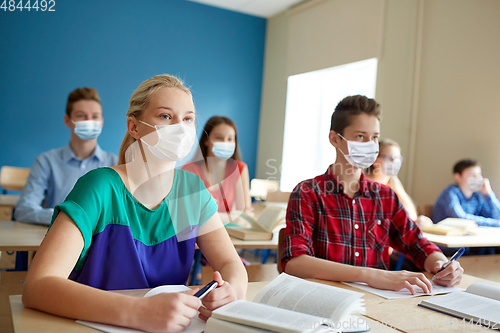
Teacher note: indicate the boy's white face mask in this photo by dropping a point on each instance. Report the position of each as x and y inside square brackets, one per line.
[88, 129]
[361, 154]
[174, 141]
[475, 184]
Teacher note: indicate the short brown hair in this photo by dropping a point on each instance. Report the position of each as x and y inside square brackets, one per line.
[79, 94]
[353, 106]
[461, 165]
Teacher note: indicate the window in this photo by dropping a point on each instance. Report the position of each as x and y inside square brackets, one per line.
[311, 99]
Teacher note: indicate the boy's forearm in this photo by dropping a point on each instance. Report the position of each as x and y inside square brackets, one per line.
[431, 260]
[315, 268]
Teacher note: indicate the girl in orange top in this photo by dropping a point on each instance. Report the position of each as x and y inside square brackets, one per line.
[224, 173]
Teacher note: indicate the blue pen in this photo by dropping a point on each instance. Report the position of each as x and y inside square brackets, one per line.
[457, 255]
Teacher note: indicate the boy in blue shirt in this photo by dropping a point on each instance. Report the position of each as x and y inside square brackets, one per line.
[470, 198]
[56, 171]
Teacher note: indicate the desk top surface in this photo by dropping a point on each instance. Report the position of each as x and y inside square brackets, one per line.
[18, 236]
[403, 315]
[8, 200]
[486, 236]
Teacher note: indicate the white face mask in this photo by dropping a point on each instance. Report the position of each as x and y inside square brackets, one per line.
[475, 184]
[223, 150]
[361, 154]
[391, 169]
[174, 141]
[88, 129]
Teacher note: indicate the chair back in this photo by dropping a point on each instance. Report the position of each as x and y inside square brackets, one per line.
[281, 239]
[277, 196]
[425, 210]
[13, 178]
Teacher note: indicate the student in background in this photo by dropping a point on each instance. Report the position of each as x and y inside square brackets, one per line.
[385, 171]
[56, 171]
[222, 170]
[340, 225]
[135, 225]
[469, 198]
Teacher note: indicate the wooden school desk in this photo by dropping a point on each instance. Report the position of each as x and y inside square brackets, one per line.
[486, 236]
[31, 321]
[7, 204]
[402, 315]
[18, 236]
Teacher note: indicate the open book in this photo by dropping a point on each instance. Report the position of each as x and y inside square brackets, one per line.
[452, 227]
[290, 304]
[480, 304]
[263, 227]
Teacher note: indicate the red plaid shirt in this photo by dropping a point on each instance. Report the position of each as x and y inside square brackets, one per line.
[323, 222]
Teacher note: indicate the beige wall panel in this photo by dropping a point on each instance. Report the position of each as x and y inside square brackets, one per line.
[395, 75]
[459, 113]
[322, 34]
[272, 116]
[332, 33]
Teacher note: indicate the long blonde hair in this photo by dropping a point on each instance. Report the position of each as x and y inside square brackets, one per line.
[140, 100]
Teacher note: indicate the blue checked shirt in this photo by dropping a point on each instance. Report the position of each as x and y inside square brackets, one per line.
[484, 209]
[51, 178]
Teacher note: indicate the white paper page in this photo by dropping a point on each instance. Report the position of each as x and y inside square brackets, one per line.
[197, 325]
[484, 289]
[295, 294]
[167, 289]
[404, 293]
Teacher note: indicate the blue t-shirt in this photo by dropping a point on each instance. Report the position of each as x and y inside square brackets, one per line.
[484, 209]
[127, 245]
[52, 177]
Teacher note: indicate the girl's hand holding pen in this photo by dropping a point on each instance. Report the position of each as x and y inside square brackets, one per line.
[223, 294]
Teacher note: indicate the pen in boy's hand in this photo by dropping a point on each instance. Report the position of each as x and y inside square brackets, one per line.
[457, 255]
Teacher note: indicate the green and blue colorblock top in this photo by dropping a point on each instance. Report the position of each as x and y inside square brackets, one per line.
[128, 245]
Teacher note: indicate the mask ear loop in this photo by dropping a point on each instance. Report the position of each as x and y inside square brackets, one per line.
[345, 141]
[147, 124]
[143, 153]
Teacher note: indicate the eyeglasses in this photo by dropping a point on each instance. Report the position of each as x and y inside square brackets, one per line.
[392, 159]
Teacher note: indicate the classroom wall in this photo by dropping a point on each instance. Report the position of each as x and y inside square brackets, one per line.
[315, 35]
[458, 109]
[438, 78]
[114, 46]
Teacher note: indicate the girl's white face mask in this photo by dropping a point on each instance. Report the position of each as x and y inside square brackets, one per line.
[174, 141]
[391, 169]
[361, 154]
[223, 150]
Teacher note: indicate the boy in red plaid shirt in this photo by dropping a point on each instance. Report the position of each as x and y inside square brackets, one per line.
[340, 225]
